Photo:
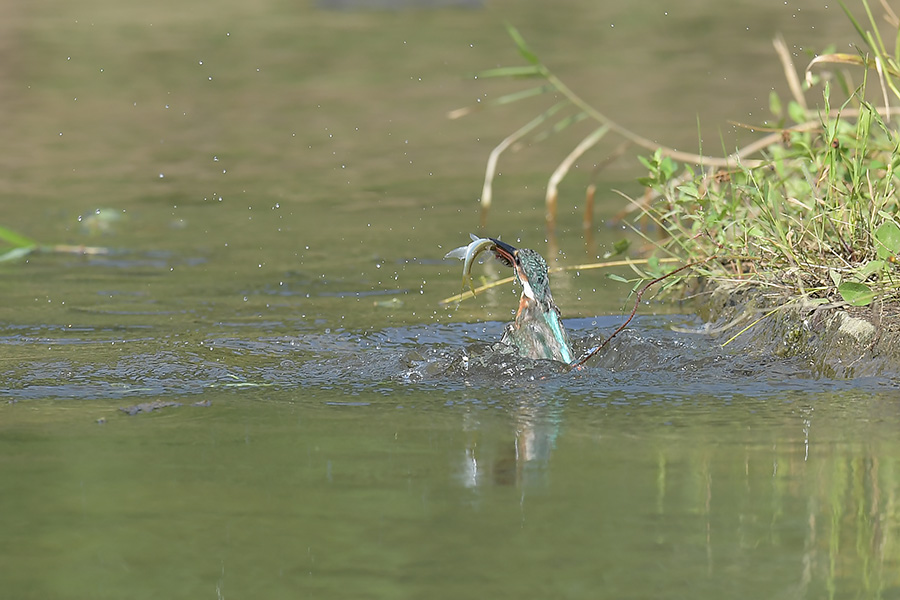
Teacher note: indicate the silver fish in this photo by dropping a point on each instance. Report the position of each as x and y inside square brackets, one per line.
[469, 254]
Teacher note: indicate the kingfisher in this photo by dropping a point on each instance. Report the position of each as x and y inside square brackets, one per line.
[537, 331]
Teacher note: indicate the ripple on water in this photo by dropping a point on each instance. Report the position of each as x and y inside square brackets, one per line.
[647, 358]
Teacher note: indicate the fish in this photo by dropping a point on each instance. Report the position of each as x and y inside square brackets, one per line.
[469, 254]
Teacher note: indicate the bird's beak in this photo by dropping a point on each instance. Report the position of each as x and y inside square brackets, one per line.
[508, 255]
[504, 252]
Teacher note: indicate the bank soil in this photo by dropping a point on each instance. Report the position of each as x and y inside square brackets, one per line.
[834, 339]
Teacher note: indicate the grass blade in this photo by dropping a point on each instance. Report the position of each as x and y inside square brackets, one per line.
[526, 71]
[15, 239]
[17, 253]
[524, 50]
[516, 96]
[853, 20]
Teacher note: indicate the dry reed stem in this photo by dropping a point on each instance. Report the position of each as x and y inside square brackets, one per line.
[790, 72]
[584, 267]
[563, 169]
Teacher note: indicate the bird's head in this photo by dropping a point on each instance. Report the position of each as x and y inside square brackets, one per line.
[531, 273]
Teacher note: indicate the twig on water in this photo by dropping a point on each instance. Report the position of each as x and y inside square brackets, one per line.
[637, 302]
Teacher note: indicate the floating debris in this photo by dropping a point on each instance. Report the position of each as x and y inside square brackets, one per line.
[147, 407]
[392, 303]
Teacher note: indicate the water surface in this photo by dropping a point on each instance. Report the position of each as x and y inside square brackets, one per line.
[284, 184]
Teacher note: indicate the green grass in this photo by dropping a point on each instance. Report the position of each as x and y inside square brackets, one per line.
[818, 216]
[810, 209]
[15, 246]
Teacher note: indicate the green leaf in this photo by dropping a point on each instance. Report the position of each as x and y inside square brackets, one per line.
[773, 197]
[835, 277]
[15, 239]
[526, 71]
[618, 248]
[690, 190]
[17, 253]
[775, 104]
[563, 123]
[516, 96]
[524, 50]
[615, 277]
[668, 167]
[856, 294]
[887, 238]
[756, 232]
[870, 268]
[853, 20]
[796, 112]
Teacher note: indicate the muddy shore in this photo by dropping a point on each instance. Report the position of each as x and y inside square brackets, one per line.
[835, 339]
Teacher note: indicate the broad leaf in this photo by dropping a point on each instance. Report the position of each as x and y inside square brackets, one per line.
[856, 294]
[887, 238]
[873, 267]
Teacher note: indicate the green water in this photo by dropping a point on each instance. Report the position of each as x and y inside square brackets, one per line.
[285, 183]
[411, 495]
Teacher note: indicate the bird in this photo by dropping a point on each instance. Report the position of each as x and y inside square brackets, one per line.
[537, 331]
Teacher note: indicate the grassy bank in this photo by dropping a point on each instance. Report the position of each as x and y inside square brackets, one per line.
[810, 208]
